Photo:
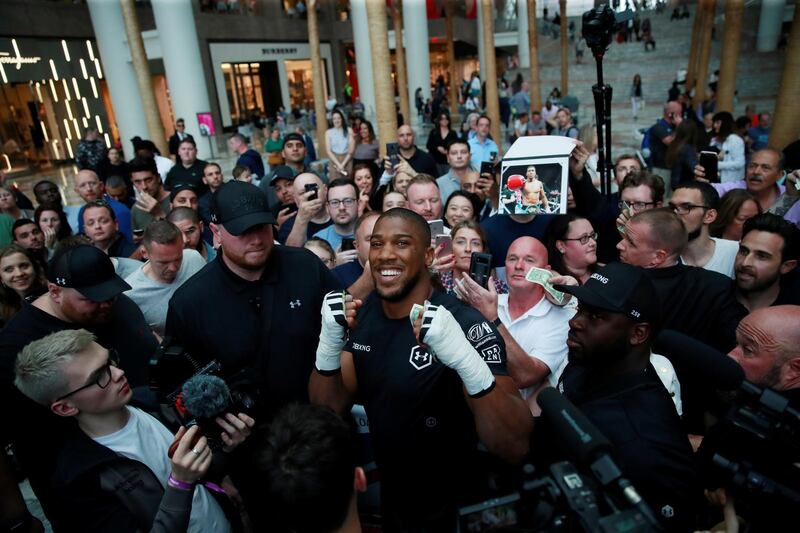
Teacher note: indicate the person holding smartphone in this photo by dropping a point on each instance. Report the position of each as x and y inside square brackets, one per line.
[453, 258]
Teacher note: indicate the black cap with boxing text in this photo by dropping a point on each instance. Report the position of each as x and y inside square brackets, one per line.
[239, 206]
[87, 270]
[619, 288]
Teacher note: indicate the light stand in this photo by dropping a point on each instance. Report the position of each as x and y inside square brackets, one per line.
[602, 108]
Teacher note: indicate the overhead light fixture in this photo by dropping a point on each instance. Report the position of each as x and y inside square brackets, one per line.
[66, 50]
[3, 73]
[83, 69]
[85, 107]
[108, 141]
[39, 92]
[19, 56]
[53, 69]
[94, 87]
[66, 89]
[54, 142]
[69, 110]
[66, 128]
[91, 50]
[97, 68]
[99, 124]
[75, 87]
[77, 128]
[53, 90]
[69, 149]
[44, 131]
[85, 123]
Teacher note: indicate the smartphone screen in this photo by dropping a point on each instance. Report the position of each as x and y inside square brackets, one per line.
[348, 243]
[487, 167]
[437, 227]
[710, 163]
[391, 151]
[312, 187]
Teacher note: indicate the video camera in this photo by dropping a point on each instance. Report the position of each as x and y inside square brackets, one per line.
[599, 25]
[200, 391]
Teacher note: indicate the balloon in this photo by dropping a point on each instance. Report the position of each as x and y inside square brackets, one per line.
[515, 182]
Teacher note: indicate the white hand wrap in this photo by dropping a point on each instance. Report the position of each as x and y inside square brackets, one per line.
[332, 334]
[443, 334]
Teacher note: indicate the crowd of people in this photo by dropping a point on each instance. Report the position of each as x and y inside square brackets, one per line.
[317, 293]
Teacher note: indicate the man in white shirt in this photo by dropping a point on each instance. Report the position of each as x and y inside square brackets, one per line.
[696, 203]
[534, 329]
[169, 265]
[115, 472]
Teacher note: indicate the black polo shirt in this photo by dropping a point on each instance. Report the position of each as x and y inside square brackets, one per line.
[34, 430]
[271, 325]
[423, 162]
[635, 413]
[423, 431]
[193, 175]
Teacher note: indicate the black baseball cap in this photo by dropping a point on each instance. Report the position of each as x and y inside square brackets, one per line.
[620, 288]
[181, 187]
[239, 206]
[281, 172]
[87, 270]
[294, 136]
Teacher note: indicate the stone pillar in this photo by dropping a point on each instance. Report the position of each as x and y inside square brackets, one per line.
[481, 47]
[533, 38]
[697, 26]
[184, 67]
[316, 75]
[492, 99]
[455, 76]
[562, 5]
[786, 121]
[523, 46]
[731, 40]
[400, 61]
[109, 31]
[701, 85]
[415, 22]
[769, 24]
[155, 128]
[384, 90]
[361, 41]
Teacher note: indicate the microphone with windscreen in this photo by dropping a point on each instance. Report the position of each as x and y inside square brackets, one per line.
[203, 398]
[591, 448]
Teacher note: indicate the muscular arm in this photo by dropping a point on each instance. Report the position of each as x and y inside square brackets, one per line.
[524, 369]
[503, 420]
[336, 390]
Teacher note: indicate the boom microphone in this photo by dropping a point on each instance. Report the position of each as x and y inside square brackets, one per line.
[699, 360]
[205, 396]
[582, 438]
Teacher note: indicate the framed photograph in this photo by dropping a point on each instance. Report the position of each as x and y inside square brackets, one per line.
[206, 124]
[535, 175]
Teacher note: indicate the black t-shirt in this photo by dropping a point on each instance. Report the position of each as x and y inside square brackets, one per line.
[422, 162]
[193, 175]
[502, 230]
[635, 413]
[271, 325]
[34, 430]
[422, 429]
[312, 228]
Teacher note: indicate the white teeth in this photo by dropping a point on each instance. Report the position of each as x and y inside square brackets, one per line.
[390, 272]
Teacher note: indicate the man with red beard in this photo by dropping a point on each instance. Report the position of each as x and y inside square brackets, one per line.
[83, 292]
[432, 378]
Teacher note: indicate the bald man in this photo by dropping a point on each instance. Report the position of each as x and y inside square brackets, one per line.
[420, 161]
[768, 348]
[534, 329]
[89, 187]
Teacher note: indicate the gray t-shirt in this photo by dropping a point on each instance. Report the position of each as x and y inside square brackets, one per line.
[152, 297]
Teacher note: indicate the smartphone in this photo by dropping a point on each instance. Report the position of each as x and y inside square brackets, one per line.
[348, 243]
[448, 245]
[291, 207]
[312, 187]
[493, 155]
[437, 227]
[480, 268]
[710, 163]
[487, 167]
[392, 149]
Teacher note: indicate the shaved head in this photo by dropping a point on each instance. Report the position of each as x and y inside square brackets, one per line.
[768, 347]
[529, 246]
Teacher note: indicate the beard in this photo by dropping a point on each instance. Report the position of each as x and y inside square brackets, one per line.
[757, 285]
[400, 293]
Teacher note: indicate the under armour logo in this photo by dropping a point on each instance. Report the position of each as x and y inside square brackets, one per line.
[667, 511]
[213, 218]
[61, 281]
[295, 303]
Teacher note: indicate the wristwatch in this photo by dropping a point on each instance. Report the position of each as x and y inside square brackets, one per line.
[497, 322]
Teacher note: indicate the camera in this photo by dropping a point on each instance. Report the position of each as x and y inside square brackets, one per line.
[214, 390]
[599, 25]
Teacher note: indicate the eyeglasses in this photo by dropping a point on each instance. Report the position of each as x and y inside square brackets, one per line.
[637, 206]
[583, 239]
[684, 209]
[348, 202]
[102, 376]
